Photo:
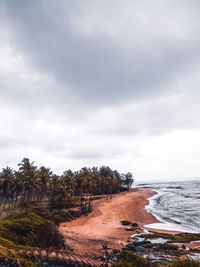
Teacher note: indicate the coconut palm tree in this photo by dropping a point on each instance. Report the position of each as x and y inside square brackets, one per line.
[6, 186]
[62, 194]
[44, 174]
[30, 181]
[88, 186]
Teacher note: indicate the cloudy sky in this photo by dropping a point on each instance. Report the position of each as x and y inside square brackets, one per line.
[107, 82]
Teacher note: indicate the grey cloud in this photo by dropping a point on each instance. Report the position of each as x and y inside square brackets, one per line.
[73, 95]
[94, 67]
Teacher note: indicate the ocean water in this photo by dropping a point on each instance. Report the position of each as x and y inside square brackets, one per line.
[176, 205]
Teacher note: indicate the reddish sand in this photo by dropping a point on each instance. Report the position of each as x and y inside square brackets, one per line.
[87, 234]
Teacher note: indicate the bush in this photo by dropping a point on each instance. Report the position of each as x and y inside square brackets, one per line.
[184, 263]
[130, 259]
[8, 257]
[32, 230]
[61, 216]
[49, 236]
[57, 216]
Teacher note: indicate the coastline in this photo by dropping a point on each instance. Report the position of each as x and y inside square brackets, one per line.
[87, 234]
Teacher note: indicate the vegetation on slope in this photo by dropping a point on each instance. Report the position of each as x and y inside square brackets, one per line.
[32, 230]
[177, 238]
[130, 259]
[33, 201]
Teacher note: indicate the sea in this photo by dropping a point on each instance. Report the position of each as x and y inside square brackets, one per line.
[176, 205]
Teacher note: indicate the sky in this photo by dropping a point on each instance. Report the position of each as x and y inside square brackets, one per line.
[110, 82]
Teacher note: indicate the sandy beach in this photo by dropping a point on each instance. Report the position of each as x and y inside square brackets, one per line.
[87, 234]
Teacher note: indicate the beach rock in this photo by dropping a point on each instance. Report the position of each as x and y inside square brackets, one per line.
[161, 261]
[135, 225]
[116, 251]
[140, 243]
[140, 250]
[159, 247]
[125, 249]
[158, 259]
[148, 245]
[128, 229]
[5, 262]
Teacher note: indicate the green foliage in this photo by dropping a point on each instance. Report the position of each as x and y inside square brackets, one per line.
[30, 229]
[157, 235]
[30, 186]
[130, 259]
[177, 238]
[10, 255]
[184, 263]
[57, 216]
[185, 237]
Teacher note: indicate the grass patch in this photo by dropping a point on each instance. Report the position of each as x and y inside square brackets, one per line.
[184, 263]
[177, 238]
[130, 259]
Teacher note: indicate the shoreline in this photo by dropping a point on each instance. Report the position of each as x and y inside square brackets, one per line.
[87, 234]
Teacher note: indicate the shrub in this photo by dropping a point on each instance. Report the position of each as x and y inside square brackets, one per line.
[130, 259]
[32, 230]
[57, 216]
[184, 263]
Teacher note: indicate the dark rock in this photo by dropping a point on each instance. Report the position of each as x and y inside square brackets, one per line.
[160, 261]
[135, 225]
[140, 243]
[130, 247]
[116, 251]
[125, 249]
[6, 262]
[128, 229]
[159, 247]
[148, 245]
[142, 250]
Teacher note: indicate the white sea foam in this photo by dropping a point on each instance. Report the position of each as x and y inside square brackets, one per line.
[169, 227]
[176, 206]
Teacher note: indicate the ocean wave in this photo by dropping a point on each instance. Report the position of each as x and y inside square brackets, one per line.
[176, 204]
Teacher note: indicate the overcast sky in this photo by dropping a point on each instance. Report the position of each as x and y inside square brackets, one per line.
[107, 82]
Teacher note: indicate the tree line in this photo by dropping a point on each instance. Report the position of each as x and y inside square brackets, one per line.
[32, 186]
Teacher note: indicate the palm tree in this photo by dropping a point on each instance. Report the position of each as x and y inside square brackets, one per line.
[6, 186]
[88, 186]
[110, 184]
[30, 181]
[18, 188]
[44, 174]
[61, 194]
